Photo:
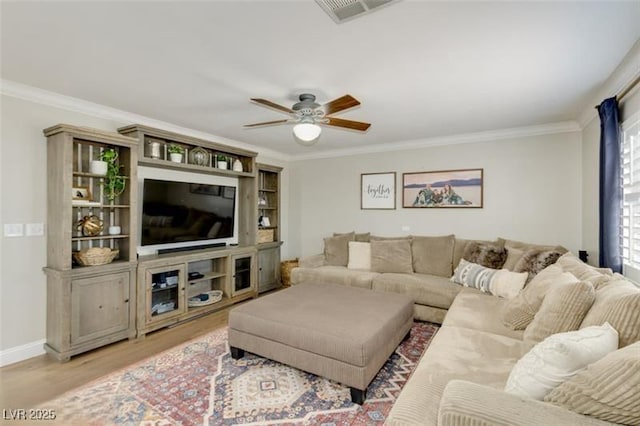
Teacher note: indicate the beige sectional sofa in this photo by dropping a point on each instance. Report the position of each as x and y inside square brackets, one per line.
[461, 378]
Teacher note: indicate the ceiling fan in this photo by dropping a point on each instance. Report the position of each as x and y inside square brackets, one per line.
[308, 115]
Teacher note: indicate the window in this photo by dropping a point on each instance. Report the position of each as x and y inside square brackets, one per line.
[631, 197]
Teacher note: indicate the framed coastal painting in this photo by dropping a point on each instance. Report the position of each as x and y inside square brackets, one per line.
[443, 188]
[378, 191]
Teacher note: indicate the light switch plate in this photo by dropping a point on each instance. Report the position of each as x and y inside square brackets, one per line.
[35, 229]
[13, 230]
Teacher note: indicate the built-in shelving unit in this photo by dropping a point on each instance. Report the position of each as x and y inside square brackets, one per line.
[88, 306]
[268, 238]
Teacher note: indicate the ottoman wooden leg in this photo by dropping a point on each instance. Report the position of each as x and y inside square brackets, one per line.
[358, 395]
[236, 353]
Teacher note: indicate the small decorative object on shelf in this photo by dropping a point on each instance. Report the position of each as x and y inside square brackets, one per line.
[199, 157]
[237, 165]
[90, 226]
[98, 167]
[175, 153]
[222, 161]
[114, 230]
[206, 298]
[154, 148]
[95, 256]
[81, 193]
[114, 183]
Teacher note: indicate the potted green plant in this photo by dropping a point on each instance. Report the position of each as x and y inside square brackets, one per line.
[114, 183]
[175, 153]
[222, 161]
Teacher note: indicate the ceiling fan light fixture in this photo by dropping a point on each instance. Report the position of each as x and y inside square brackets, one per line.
[307, 133]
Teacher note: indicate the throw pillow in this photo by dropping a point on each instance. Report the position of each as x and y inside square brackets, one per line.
[433, 255]
[460, 246]
[488, 255]
[562, 309]
[520, 311]
[535, 260]
[606, 389]
[584, 272]
[558, 358]
[391, 256]
[618, 303]
[359, 255]
[336, 249]
[515, 250]
[363, 237]
[499, 282]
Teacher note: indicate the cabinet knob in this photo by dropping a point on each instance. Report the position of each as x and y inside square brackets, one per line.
[126, 300]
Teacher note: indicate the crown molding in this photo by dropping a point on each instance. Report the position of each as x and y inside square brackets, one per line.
[45, 97]
[486, 136]
[624, 74]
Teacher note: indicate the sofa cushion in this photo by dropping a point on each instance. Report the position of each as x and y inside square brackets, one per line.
[499, 282]
[515, 250]
[379, 238]
[359, 255]
[562, 309]
[478, 311]
[618, 303]
[454, 353]
[391, 256]
[362, 237]
[596, 276]
[606, 389]
[521, 310]
[535, 260]
[336, 249]
[488, 255]
[333, 274]
[558, 358]
[433, 255]
[425, 289]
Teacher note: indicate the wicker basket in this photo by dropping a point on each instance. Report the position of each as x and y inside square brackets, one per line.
[95, 256]
[285, 270]
[214, 297]
[265, 235]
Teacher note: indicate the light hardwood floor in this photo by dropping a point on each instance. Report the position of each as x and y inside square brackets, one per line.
[31, 382]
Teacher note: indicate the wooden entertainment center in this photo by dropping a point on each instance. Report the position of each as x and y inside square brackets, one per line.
[91, 306]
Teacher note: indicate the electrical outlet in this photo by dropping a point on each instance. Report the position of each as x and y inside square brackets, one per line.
[35, 229]
[13, 230]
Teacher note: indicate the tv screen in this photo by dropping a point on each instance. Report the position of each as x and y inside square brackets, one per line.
[178, 212]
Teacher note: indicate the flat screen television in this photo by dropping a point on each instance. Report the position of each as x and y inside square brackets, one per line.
[183, 210]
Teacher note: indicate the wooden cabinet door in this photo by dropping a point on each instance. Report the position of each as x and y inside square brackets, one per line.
[242, 274]
[268, 268]
[99, 306]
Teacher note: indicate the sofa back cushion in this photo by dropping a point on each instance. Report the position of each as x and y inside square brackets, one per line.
[336, 249]
[391, 256]
[521, 310]
[618, 303]
[360, 237]
[433, 255]
[562, 309]
[584, 272]
[606, 389]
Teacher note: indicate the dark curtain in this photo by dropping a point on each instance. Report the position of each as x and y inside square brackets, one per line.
[610, 186]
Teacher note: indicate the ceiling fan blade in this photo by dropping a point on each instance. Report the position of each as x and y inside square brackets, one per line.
[340, 104]
[349, 124]
[273, 105]
[266, 123]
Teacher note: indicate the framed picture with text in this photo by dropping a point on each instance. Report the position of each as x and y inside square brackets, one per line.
[378, 191]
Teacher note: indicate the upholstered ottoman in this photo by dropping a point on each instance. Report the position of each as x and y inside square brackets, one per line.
[342, 333]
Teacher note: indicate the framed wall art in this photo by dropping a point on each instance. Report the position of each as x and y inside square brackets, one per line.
[81, 193]
[378, 191]
[443, 188]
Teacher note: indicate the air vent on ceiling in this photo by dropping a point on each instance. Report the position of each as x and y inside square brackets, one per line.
[344, 10]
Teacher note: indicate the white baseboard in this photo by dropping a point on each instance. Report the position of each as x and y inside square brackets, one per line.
[22, 352]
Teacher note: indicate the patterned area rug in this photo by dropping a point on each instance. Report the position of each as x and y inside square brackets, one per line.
[198, 383]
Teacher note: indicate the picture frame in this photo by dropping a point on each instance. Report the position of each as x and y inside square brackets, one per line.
[81, 193]
[443, 189]
[228, 192]
[378, 191]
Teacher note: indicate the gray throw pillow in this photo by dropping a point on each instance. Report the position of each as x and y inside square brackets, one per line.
[391, 256]
[535, 260]
[336, 249]
[433, 255]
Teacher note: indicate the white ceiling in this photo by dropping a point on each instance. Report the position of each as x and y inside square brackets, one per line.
[421, 69]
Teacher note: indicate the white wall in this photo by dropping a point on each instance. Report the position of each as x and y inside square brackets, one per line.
[23, 200]
[532, 192]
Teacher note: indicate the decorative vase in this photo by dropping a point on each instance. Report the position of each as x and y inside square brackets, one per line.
[114, 230]
[175, 157]
[222, 164]
[98, 167]
[237, 166]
